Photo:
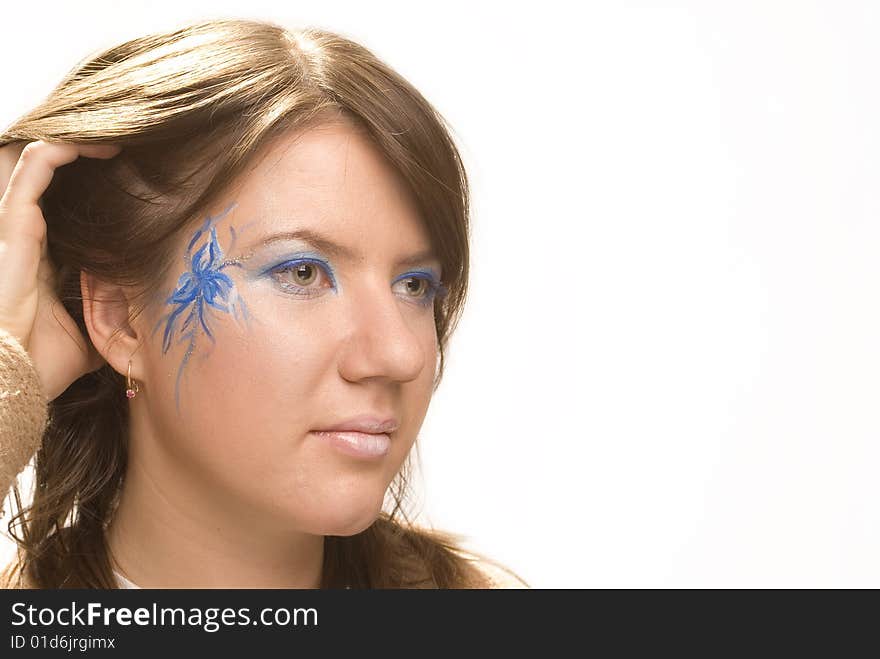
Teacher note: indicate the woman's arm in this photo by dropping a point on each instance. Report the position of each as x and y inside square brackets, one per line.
[23, 411]
[38, 360]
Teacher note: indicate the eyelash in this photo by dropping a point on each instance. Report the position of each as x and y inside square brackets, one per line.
[434, 288]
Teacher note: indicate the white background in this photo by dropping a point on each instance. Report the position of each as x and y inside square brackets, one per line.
[668, 368]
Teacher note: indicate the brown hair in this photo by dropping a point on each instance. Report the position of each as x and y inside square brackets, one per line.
[190, 108]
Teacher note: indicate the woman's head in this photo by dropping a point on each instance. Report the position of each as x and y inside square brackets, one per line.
[281, 246]
[304, 300]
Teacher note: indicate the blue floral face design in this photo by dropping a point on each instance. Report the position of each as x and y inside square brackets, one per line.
[202, 287]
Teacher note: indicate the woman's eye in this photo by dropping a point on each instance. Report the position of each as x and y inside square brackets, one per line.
[309, 278]
[421, 285]
[299, 277]
[421, 289]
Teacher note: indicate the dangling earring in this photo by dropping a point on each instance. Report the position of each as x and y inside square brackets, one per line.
[132, 384]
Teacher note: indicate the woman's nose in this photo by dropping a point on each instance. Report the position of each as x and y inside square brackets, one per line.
[383, 338]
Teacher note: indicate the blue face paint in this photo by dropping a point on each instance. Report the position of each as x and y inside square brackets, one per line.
[202, 285]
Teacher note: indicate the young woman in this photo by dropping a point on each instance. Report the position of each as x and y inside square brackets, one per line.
[231, 257]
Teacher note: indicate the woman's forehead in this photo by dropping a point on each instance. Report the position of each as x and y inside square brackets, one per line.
[330, 188]
[324, 161]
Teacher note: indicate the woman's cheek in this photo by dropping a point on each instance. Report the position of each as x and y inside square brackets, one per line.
[262, 377]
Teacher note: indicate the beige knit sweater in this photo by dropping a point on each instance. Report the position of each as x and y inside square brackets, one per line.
[23, 411]
[23, 418]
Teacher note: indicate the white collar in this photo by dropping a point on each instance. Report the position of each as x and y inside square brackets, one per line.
[123, 582]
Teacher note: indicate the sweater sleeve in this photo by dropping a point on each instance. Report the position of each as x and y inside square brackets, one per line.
[23, 411]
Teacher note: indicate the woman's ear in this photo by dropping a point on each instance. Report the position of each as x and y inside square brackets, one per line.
[106, 308]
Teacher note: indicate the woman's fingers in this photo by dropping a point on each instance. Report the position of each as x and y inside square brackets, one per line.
[22, 226]
[9, 154]
[34, 170]
[23, 245]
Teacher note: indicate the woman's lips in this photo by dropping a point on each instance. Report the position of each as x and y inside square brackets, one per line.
[357, 444]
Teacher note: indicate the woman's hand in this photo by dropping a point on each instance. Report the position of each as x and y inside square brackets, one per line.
[29, 306]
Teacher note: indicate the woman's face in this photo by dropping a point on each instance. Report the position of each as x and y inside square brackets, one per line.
[304, 300]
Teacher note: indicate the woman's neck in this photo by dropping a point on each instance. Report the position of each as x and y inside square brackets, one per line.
[171, 531]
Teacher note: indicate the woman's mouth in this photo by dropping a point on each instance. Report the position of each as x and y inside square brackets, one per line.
[362, 445]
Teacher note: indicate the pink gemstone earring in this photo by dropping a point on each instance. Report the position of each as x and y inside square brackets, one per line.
[132, 384]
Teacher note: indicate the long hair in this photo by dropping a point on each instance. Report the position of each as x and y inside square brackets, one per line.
[190, 108]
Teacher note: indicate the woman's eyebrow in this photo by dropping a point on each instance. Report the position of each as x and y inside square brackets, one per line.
[334, 249]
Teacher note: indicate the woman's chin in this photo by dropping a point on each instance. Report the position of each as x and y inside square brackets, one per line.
[351, 525]
[344, 520]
